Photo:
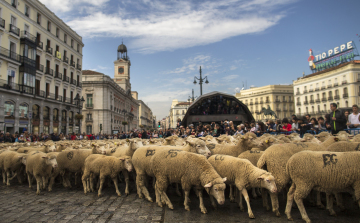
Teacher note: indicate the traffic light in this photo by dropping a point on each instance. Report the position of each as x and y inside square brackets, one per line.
[159, 124]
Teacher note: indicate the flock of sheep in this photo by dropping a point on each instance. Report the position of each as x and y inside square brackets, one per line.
[270, 164]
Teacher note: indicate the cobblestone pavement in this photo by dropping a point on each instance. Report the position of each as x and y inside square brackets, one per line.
[21, 204]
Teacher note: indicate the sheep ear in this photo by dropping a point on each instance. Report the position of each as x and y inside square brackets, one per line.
[224, 179]
[122, 159]
[336, 139]
[190, 142]
[208, 185]
[260, 178]
[44, 157]
[168, 139]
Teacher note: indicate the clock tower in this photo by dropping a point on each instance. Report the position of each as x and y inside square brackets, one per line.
[122, 68]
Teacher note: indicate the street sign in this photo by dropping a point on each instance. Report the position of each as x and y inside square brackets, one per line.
[30, 114]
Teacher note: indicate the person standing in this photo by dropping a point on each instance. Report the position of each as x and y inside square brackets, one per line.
[353, 119]
[337, 119]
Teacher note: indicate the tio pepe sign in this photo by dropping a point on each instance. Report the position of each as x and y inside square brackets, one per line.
[333, 57]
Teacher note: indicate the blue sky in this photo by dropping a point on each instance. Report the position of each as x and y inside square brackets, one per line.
[259, 42]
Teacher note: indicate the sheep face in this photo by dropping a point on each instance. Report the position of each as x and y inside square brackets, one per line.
[135, 144]
[50, 148]
[127, 163]
[99, 149]
[268, 182]
[23, 160]
[50, 161]
[217, 190]
[251, 141]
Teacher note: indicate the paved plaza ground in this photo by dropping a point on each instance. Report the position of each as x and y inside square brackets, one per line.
[21, 204]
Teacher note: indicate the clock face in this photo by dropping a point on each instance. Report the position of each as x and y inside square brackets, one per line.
[121, 70]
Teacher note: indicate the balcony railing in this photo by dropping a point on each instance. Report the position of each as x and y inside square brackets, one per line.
[344, 82]
[39, 44]
[73, 82]
[11, 55]
[336, 84]
[27, 61]
[297, 93]
[89, 105]
[323, 87]
[66, 60]
[14, 29]
[312, 101]
[72, 63]
[311, 90]
[337, 97]
[9, 86]
[278, 110]
[58, 75]
[330, 98]
[49, 49]
[25, 34]
[316, 89]
[267, 101]
[323, 99]
[251, 103]
[256, 102]
[89, 120]
[2, 23]
[298, 103]
[317, 101]
[345, 95]
[66, 78]
[49, 71]
[261, 102]
[40, 67]
[306, 103]
[277, 100]
[78, 66]
[79, 84]
[305, 91]
[329, 86]
[67, 100]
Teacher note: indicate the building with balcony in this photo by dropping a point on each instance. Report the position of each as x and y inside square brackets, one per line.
[340, 85]
[37, 82]
[280, 98]
[107, 105]
[178, 110]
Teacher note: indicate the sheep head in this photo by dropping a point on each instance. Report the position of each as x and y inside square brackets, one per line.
[127, 163]
[268, 182]
[50, 160]
[250, 141]
[98, 149]
[199, 146]
[135, 143]
[50, 147]
[216, 188]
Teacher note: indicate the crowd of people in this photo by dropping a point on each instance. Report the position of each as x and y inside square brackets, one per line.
[334, 122]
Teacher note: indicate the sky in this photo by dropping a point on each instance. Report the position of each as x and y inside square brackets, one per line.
[237, 43]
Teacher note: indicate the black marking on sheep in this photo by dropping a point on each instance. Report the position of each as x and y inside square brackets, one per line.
[173, 152]
[25, 151]
[357, 147]
[70, 155]
[219, 157]
[113, 150]
[150, 152]
[301, 144]
[211, 146]
[36, 152]
[256, 151]
[328, 159]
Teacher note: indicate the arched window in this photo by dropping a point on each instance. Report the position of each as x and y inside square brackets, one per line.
[345, 90]
[36, 111]
[330, 94]
[63, 115]
[71, 116]
[46, 113]
[336, 92]
[23, 110]
[9, 108]
[56, 114]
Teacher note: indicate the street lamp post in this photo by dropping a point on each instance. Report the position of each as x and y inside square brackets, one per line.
[124, 111]
[79, 101]
[201, 80]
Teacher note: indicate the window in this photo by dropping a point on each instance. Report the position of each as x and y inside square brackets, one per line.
[335, 81]
[46, 113]
[14, 3]
[306, 99]
[329, 82]
[311, 87]
[317, 96]
[298, 99]
[27, 10]
[72, 43]
[330, 93]
[307, 110]
[318, 108]
[297, 89]
[13, 20]
[65, 38]
[88, 129]
[49, 26]
[325, 107]
[89, 99]
[311, 97]
[305, 88]
[336, 92]
[323, 83]
[289, 98]
[324, 95]
[47, 89]
[23, 110]
[38, 18]
[299, 110]
[284, 98]
[9, 108]
[57, 32]
[317, 85]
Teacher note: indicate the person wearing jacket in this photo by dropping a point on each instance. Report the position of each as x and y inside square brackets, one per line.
[337, 119]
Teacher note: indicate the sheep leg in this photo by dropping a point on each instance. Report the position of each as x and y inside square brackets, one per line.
[275, 203]
[177, 190]
[75, 175]
[318, 200]
[231, 195]
[126, 176]
[102, 180]
[331, 205]
[38, 182]
[202, 206]
[213, 203]
[186, 200]
[246, 196]
[14, 175]
[116, 186]
[84, 179]
[158, 197]
[66, 178]
[241, 202]
[300, 194]
[258, 191]
[19, 176]
[4, 177]
[161, 185]
[264, 196]
[142, 190]
[8, 178]
[30, 180]
[44, 181]
[253, 191]
[91, 186]
[236, 195]
[290, 200]
[138, 186]
[51, 183]
[339, 201]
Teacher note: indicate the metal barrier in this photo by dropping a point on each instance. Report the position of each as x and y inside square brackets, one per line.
[353, 131]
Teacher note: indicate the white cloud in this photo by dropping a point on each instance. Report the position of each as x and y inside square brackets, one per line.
[192, 64]
[168, 25]
[103, 68]
[233, 68]
[69, 5]
[230, 77]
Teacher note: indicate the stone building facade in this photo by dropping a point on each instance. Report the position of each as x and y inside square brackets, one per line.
[178, 110]
[40, 69]
[339, 84]
[107, 105]
[280, 98]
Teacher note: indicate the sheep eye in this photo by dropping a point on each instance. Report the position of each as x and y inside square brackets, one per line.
[216, 189]
[268, 181]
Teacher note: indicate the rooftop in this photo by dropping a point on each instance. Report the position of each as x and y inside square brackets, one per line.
[332, 68]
